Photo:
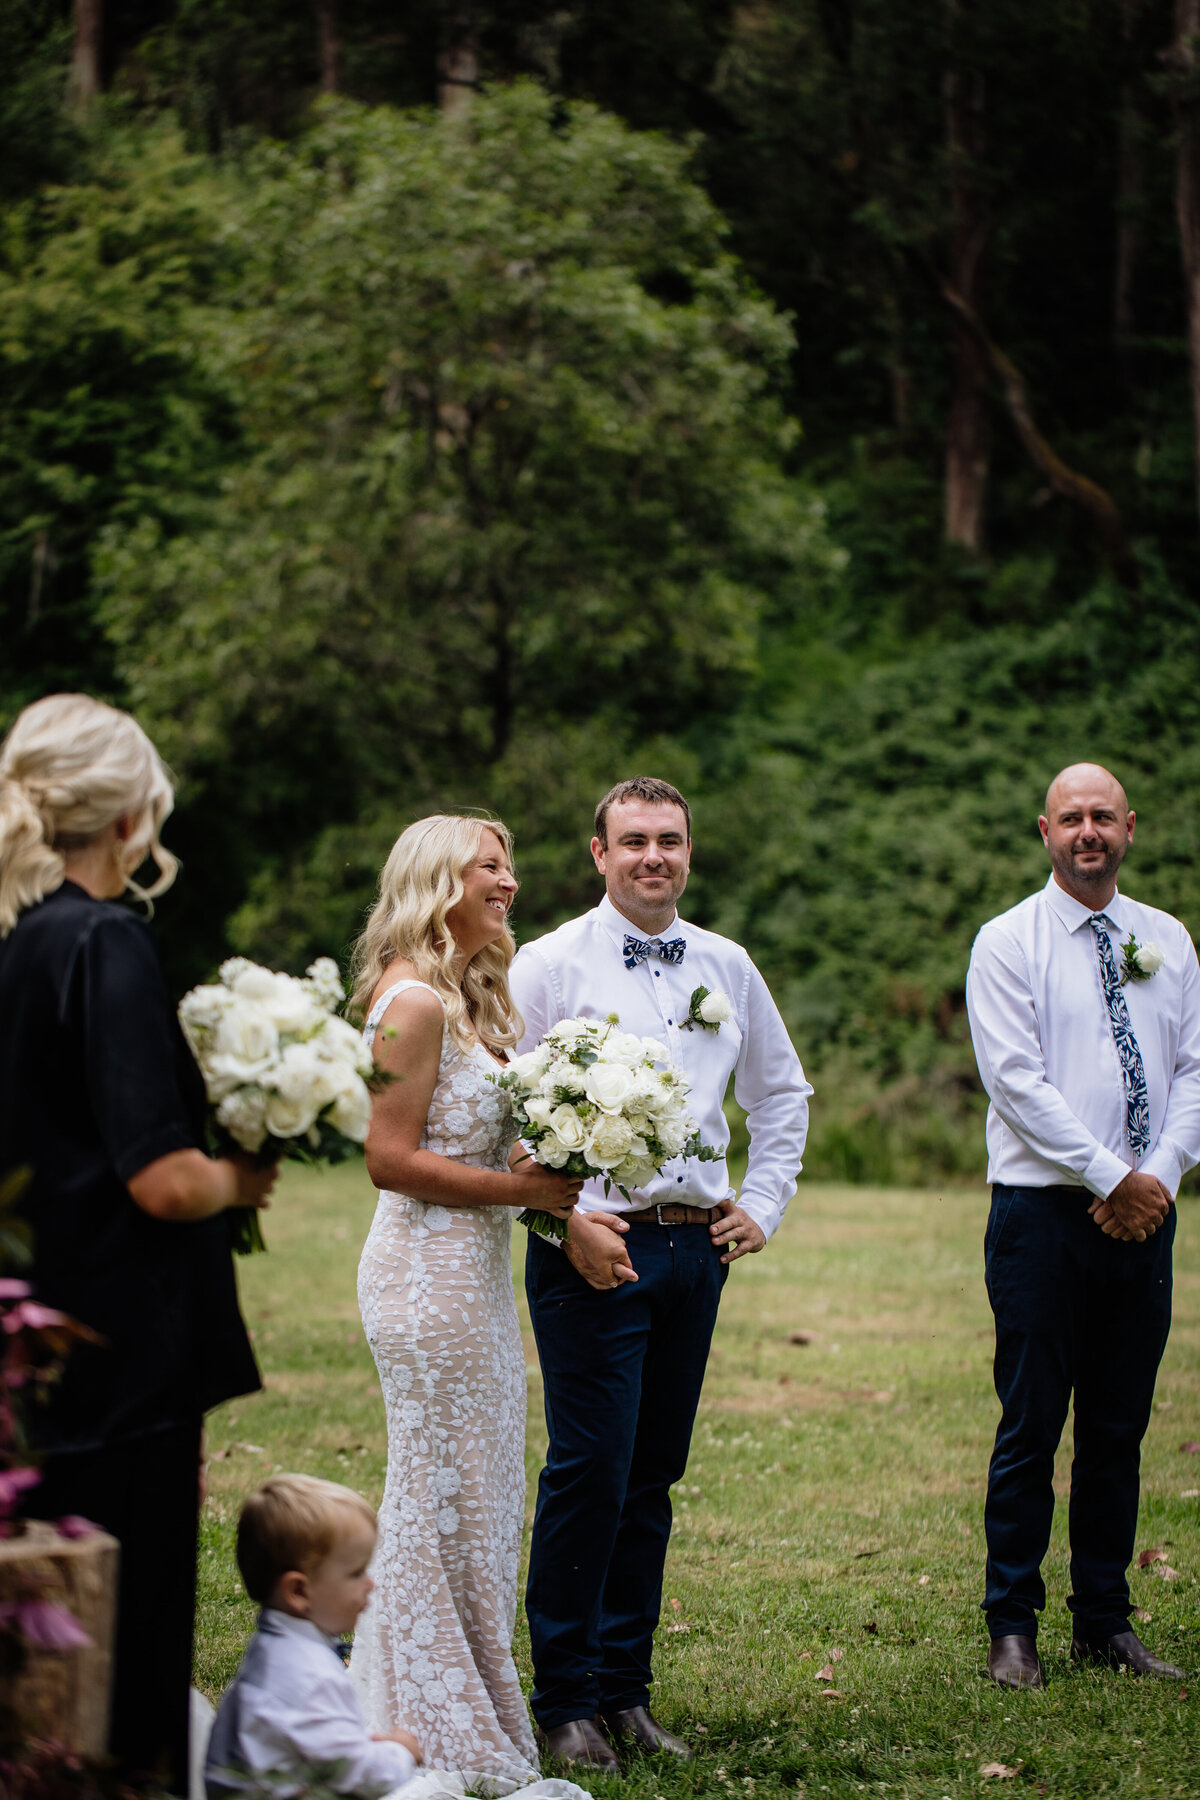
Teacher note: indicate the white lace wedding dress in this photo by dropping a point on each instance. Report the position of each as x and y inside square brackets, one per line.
[433, 1651]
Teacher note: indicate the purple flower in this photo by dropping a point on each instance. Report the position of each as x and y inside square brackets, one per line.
[13, 1483]
[46, 1625]
[73, 1525]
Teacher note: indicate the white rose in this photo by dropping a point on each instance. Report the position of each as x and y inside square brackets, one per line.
[529, 1069]
[608, 1085]
[552, 1152]
[286, 1001]
[538, 1111]
[302, 1074]
[351, 1111]
[608, 1142]
[1149, 958]
[339, 1042]
[567, 1127]
[289, 1116]
[715, 1008]
[622, 1047]
[243, 1114]
[637, 1171]
[246, 1034]
[656, 1051]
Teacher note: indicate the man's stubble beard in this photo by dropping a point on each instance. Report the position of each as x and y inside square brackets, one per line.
[1063, 863]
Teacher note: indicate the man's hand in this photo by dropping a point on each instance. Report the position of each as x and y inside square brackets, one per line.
[596, 1247]
[735, 1232]
[1134, 1210]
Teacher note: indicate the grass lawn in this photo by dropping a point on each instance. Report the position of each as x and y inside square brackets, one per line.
[830, 1519]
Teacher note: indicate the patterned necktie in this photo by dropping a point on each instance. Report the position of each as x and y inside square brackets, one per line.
[638, 949]
[1133, 1073]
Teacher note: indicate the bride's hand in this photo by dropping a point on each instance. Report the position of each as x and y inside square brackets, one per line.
[545, 1190]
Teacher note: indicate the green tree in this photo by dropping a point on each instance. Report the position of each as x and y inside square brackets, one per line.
[515, 466]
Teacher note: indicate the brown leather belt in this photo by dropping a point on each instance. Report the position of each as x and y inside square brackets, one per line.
[673, 1213]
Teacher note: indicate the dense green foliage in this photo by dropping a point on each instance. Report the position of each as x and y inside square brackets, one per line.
[385, 461]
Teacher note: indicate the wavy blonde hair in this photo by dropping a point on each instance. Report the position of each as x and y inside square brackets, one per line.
[420, 882]
[69, 767]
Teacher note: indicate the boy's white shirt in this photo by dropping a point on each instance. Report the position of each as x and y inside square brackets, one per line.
[293, 1702]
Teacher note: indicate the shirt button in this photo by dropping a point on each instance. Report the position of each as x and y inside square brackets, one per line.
[679, 1179]
[657, 973]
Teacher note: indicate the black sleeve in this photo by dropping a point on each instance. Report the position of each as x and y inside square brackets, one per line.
[131, 1044]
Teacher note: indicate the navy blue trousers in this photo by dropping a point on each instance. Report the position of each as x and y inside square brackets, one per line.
[622, 1370]
[1074, 1310]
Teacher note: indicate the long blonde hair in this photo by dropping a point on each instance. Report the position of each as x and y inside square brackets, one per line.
[421, 881]
[69, 767]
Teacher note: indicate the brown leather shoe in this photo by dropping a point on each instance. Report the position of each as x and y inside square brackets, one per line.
[580, 1744]
[1012, 1662]
[639, 1730]
[1125, 1651]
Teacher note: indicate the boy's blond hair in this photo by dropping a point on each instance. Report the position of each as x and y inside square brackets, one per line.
[292, 1522]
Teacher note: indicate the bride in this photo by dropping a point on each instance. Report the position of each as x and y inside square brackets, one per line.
[433, 1652]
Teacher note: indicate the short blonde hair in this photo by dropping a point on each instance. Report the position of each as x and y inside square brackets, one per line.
[421, 881]
[292, 1522]
[69, 767]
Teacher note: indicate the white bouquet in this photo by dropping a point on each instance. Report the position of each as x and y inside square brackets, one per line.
[591, 1101]
[285, 1075]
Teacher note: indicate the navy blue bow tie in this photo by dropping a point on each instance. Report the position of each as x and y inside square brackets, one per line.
[636, 950]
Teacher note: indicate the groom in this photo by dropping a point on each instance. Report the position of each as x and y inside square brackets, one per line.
[624, 1312]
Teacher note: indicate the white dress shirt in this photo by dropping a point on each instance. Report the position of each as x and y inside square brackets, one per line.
[578, 972]
[1043, 1040]
[292, 1702]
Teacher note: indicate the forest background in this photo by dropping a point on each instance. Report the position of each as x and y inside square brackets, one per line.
[438, 406]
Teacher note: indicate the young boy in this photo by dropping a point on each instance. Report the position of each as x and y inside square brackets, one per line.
[303, 1547]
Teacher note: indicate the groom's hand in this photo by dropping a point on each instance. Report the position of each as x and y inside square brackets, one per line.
[735, 1232]
[595, 1246]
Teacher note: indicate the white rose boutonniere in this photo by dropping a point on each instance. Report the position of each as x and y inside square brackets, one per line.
[708, 1009]
[1140, 961]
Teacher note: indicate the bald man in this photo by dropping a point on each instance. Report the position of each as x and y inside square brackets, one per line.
[1085, 1016]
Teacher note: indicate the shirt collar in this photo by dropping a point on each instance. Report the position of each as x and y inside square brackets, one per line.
[1074, 913]
[619, 927]
[281, 1624]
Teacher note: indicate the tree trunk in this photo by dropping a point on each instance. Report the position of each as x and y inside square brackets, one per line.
[458, 58]
[329, 45]
[967, 438]
[1129, 201]
[83, 83]
[1098, 504]
[1185, 56]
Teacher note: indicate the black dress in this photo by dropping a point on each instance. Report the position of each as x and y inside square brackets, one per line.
[97, 1082]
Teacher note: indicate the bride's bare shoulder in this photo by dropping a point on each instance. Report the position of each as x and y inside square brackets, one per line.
[416, 1003]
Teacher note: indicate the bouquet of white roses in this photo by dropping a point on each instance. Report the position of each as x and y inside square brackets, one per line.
[286, 1077]
[590, 1100]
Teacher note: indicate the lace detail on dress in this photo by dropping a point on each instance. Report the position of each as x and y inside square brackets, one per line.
[433, 1651]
